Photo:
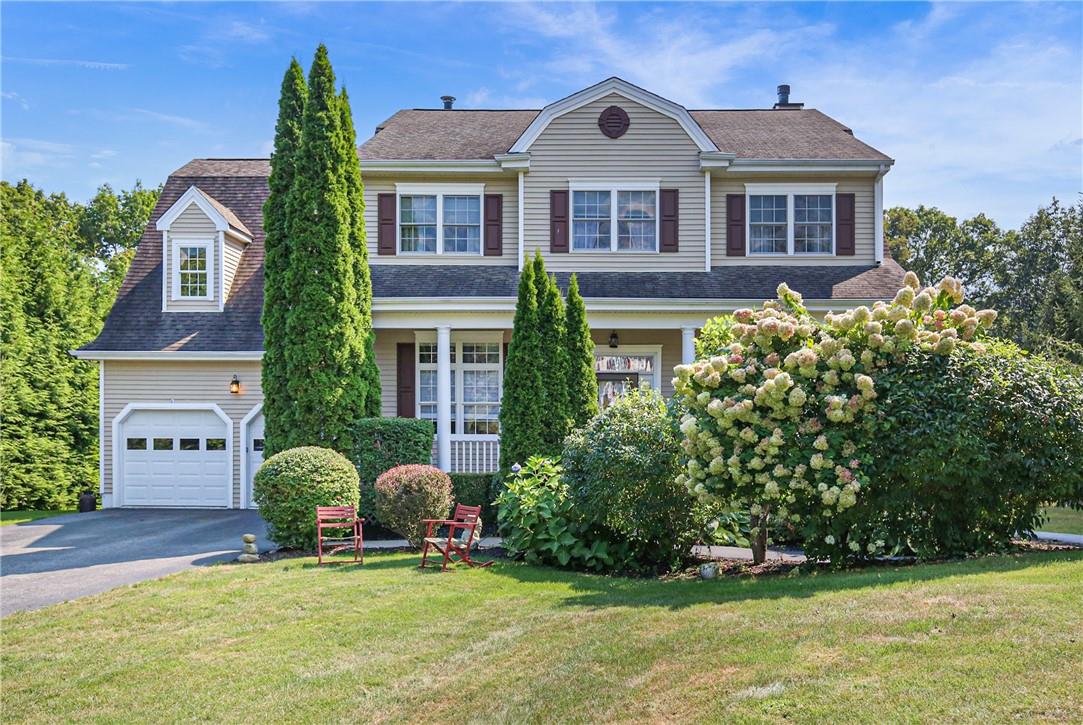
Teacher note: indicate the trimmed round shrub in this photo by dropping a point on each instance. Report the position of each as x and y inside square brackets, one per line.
[622, 473]
[290, 485]
[407, 494]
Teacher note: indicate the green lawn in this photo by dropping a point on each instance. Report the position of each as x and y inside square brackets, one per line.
[1063, 520]
[987, 640]
[19, 517]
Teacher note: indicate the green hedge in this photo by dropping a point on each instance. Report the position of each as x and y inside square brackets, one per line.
[381, 444]
[472, 489]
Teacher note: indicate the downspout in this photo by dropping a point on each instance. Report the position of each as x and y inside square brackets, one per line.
[522, 195]
[878, 214]
[707, 219]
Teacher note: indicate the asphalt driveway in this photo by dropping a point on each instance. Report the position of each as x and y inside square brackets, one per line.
[52, 560]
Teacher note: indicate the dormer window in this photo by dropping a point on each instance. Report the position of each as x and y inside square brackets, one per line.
[192, 265]
[439, 218]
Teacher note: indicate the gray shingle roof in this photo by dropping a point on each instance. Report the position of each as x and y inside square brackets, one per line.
[231, 218]
[137, 323]
[752, 134]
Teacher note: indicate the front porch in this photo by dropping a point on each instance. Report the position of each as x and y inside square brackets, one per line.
[454, 377]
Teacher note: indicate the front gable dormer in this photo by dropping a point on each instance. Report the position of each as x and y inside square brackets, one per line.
[202, 244]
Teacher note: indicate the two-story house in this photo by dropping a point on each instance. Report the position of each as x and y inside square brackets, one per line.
[668, 215]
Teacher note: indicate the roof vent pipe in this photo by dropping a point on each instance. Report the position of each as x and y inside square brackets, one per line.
[448, 102]
[784, 94]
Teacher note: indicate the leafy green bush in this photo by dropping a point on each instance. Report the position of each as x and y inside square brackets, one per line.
[472, 489]
[622, 473]
[290, 485]
[970, 447]
[538, 521]
[407, 494]
[383, 443]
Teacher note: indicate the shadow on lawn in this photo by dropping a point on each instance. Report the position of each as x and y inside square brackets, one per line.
[592, 590]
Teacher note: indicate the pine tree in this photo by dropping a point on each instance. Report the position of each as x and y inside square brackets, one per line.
[552, 360]
[355, 188]
[582, 382]
[276, 299]
[522, 418]
[325, 332]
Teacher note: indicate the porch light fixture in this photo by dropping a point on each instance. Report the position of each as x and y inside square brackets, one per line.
[235, 385]
[614, 339]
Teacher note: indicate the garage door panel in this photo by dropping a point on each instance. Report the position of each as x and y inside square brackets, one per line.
[169, 471]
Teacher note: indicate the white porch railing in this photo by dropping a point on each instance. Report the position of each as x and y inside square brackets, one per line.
[472, 455]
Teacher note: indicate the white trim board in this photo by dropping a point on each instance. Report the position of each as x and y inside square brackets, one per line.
[246, 501]
[196, 196]
[622, 87]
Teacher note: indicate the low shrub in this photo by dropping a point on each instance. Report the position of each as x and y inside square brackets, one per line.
[290, 485]
[539, 524]
[622, 473]
[380, 444]
[472, 489]
[407, 494]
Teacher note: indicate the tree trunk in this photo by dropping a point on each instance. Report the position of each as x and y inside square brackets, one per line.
[758, 537]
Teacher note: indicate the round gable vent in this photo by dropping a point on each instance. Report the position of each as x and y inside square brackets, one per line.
[613, 121]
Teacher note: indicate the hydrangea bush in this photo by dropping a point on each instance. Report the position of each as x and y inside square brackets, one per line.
[779, 409]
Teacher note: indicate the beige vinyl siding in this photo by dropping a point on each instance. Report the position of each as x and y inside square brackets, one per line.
[861, 188]
[386, 360]
[654, 147]
[506, 185]
[192, 225]
[147, 381]
[234, 250]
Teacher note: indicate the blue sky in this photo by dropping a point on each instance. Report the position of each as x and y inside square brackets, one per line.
[981, 105]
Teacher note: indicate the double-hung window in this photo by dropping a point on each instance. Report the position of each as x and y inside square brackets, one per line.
[791, 219]
[193, 262]
[476, 372]
[440, 218]
[614, 216]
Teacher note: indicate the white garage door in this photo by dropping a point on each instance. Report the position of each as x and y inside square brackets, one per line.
[174, 458]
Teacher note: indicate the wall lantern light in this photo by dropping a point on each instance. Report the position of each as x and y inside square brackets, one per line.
[235, 385]
[614, 339]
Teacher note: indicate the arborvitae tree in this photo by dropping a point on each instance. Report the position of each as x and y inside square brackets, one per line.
[325, 332]
[522, 417]
[276, 299]
[355, 188]
[552, 360]
[49, 406]
[582, 381]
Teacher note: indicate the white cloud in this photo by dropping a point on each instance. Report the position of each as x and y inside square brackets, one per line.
[88, 64]
[16, 98]
[171, 119]
[21, 157]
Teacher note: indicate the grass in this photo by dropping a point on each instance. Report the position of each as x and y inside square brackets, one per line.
[1063, 520]
[21, 517]
[985, 640]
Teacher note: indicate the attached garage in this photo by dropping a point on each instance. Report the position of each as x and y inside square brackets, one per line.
[175, 456]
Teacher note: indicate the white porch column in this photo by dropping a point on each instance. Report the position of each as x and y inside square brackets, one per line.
[688, 345]
[443, 397]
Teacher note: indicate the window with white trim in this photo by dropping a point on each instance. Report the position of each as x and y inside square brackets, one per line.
[476, 372]
[618, 217]
[791, 219]
[440, 218]
[192, 265]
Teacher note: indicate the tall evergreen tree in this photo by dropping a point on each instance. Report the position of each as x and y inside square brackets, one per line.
[276, 299]
[582, 381]
[522, 418]
[552, 360]
[325, 331]
[355, 188]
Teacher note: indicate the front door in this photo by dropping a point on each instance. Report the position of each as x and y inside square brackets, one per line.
[612, 386]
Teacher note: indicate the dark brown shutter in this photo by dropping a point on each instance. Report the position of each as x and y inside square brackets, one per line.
[558, 220]
[844, 224]
[385, 223]
[494, 224]
[669, 214]
[404, 383]
[735, 225]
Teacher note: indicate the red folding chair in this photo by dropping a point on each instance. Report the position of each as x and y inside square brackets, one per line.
[339, 517]
[467, 521]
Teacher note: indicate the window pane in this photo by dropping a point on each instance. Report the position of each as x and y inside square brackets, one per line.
[192, 270]
[635, 235]
[481, 353]
[481, 419]
[481, 386]
[635, 205]
[426, 353]
[462, 210]
[462, 239]
[163, 444]
[767, 209]
[590, 220]
[136, 444]
[219, 444]
[813, 219]
[418, 238]
[417, 228]
[189, 444]
[767, 224]
[590, 205]
[767, 238]
[417, 209]
[590, 235]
